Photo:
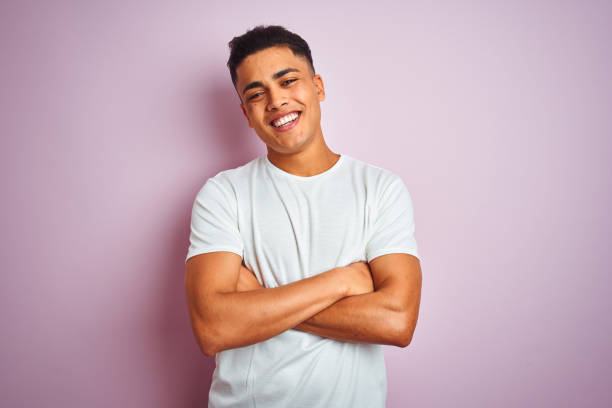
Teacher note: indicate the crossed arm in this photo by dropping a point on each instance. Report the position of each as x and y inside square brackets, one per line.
[376, 304]
[388, 315]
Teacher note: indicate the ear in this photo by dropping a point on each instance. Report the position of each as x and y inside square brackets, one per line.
[318, 81]
[246, 115]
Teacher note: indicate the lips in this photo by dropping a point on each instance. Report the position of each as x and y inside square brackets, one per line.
[285, 121]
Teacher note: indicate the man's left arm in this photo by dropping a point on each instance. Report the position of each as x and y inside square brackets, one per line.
[388, 315]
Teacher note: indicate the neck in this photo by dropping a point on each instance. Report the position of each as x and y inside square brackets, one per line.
[305, 163]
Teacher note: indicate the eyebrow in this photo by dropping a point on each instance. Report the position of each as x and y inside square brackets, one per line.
[275, 76]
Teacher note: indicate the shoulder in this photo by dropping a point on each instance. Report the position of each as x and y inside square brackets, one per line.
[231, 176]
[227, 181]
[376, 177]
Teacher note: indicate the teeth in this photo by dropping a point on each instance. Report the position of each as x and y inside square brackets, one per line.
[285, 119]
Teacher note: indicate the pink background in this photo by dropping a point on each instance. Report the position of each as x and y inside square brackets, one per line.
[497, 115]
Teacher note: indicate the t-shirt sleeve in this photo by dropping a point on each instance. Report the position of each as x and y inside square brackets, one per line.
[214, 221]
[393, 226]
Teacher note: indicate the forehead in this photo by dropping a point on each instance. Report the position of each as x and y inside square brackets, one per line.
[263, 64]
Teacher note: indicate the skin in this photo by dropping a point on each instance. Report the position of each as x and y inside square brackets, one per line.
[388, 313]
[302, 150]
[221, 317]
[373, 303]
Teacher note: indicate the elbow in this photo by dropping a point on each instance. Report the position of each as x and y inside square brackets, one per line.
[211, 334]
[207, 339]
[209, 352]
[404, 341]
[214, 338]
[208, 348]
[405, 331]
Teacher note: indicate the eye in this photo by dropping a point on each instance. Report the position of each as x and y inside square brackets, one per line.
[255, 95]
[288, 81]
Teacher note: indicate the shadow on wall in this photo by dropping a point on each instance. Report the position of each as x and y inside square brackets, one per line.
[227, 142]
[224, 128]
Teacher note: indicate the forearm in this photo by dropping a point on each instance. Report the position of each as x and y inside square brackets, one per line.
[386, 316]
[238, 319]
[367, 318]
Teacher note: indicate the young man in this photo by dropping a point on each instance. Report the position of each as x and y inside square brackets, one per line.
[302, 262]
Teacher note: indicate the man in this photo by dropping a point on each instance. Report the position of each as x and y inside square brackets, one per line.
[302, 262]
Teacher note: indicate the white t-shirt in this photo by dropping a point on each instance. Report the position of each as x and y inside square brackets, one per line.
[287, 228]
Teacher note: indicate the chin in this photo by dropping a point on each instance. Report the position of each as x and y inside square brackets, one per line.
[284, 149]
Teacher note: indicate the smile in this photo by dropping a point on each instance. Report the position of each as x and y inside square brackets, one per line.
[286, 122]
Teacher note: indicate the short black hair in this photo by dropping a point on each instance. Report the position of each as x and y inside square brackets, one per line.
[262, 37]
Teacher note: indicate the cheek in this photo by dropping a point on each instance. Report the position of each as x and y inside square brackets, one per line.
[256, 114]
[303, 96]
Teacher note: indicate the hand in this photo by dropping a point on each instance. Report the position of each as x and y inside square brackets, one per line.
[247, 281]
[360, 278]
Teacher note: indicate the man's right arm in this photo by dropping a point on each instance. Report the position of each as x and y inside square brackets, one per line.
[222, 318]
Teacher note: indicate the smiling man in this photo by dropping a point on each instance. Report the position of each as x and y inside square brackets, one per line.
[302, 262]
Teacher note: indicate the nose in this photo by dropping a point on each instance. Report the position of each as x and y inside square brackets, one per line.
[277, 98]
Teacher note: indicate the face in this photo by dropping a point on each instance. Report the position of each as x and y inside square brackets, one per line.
[281, 99]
